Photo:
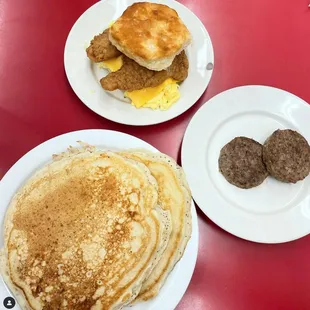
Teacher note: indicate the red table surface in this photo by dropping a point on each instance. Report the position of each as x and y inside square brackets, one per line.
[255, 42]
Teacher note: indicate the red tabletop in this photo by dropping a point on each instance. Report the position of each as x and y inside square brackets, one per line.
[255, 42]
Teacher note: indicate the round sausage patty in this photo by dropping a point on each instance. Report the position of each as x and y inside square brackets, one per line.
[241, 162]
[286, 154]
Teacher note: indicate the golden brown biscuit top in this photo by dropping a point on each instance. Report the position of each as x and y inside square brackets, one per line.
[150, 30]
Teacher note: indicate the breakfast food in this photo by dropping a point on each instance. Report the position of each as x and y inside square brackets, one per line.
[132, 76]
[101, 49]
[241, 163]
[175, 199]
[152, 81]
[151, 34]
[94, 229]
[286, 155]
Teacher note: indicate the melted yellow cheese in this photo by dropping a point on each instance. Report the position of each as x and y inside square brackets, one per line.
[113, 64]
[160, 97]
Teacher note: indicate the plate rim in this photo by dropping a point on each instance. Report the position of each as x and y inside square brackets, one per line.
[207, 79]
[183, 160]
[188, 274]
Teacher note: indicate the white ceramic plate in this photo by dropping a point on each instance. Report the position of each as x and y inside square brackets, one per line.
[84, 76]
[178, 280]
[273, 212]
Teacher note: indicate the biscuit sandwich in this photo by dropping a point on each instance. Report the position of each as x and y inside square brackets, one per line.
[144, 50]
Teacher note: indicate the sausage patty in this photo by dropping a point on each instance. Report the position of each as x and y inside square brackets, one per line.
[286, 154]
[241, 163]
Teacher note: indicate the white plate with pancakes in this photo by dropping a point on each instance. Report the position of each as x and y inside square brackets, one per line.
[273, 210]
[37, 168]
[84, 75]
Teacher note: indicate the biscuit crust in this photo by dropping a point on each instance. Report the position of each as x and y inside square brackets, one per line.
[151, 34]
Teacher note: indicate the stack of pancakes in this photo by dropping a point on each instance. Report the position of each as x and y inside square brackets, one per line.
[151, 38]
[96, 230]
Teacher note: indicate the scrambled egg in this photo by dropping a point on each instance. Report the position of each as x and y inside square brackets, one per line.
[161, 97]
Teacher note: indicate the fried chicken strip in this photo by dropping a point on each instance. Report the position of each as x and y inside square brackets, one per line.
[132, 76]
[101, 49]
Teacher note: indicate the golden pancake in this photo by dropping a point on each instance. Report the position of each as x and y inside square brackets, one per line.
[151, 34]
[174, 196]
[84, 233]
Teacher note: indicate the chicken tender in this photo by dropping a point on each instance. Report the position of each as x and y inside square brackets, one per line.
[132, 76]
[101, 49]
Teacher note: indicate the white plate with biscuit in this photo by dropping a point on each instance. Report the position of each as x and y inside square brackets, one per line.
[271, 212]
[84, 75]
